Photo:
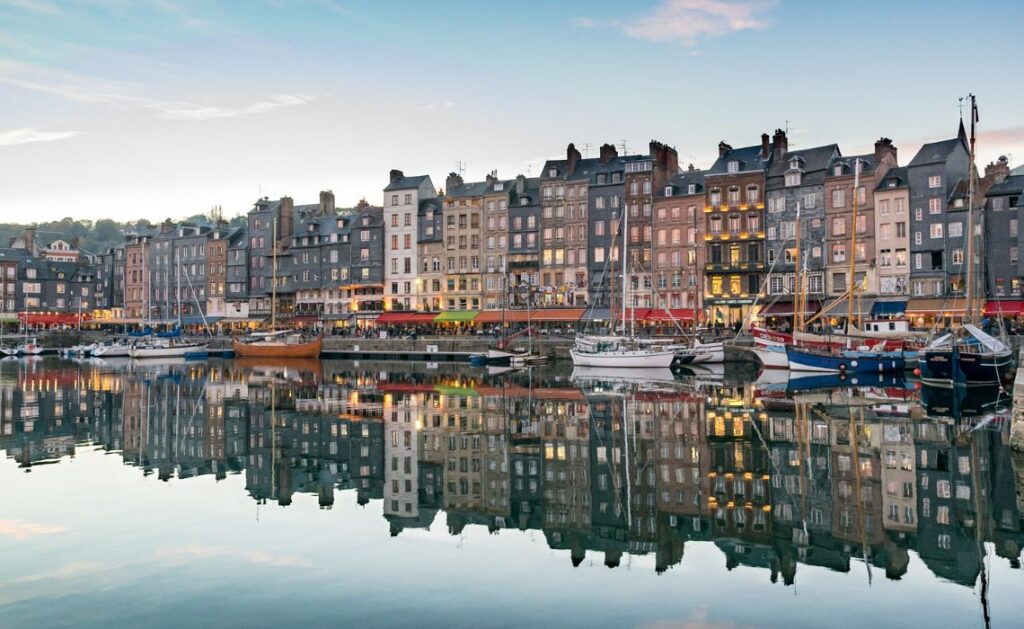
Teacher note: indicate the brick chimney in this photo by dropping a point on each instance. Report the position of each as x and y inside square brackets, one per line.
[666, 163]
[521, 183]
[608, 153]
[492, 177]
[691, 167]
[999, 170]
[396, 175]
[779, 143]
[572, 157]
[326, 202]
[885, 157]
[362, 205]
[454, 180]
[286, 219]
[765, 139]
[167, 226]
[723, 148]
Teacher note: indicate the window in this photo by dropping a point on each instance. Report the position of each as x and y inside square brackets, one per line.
[792, 179]
[918, 214]
[956, 230]
[734, 166]
[838, 198]
[1013, 228]
[838, 226]
[917, 260]
[1013, 255]
[885, 231]
[839, 252]
[935, 205]
[753, 195]
[935, 181]
[883, 207]
[958, 256]
[715, 196]
[935, 231]
[917, 238]
[901, 230]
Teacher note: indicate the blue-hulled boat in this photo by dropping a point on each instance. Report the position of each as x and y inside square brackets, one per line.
[801, 359]
[967, 357]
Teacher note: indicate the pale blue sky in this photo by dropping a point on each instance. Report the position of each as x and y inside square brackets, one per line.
[156, 108]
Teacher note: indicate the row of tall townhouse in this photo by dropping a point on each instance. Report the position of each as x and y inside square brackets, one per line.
[717, 242]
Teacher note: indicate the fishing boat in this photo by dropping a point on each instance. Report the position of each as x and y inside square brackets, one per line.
[30, 347]
[770, 356]
[847, 361]
[277, 343]
[968, 356]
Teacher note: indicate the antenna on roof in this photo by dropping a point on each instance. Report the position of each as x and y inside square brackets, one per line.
[586, 149]
[460, 167]
[625, 148]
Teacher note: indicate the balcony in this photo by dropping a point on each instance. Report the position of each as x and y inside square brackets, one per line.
[734, 236]
[731, 267]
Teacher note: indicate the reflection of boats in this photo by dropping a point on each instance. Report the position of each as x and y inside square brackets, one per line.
[702, 353]
[835, 381]
[961, 402]
[280, 369]
[653, 375]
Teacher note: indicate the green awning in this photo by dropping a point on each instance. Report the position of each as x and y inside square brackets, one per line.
[4, 318]
[455, 391]
[456, 315]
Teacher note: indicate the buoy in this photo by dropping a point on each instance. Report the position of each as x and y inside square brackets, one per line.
[917, 372]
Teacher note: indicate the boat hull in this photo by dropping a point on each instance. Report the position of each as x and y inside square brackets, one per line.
[848, 362]
[969, 368]
[771, 357]
[622, 358]
[271, 349]
[705, 353]
[175, 351]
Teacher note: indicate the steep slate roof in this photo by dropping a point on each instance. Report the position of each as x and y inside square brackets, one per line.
[427, 205]
[1014, 184]
[680, 183]
[898, 175]
[1018, 170]
[472, 189]
[867, 164]
[935, 152]
[749, 158]
[406, 183]
[812, 160]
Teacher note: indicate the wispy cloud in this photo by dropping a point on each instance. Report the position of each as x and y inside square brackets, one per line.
[90, 91]
[445, 105]
[33, 6]
[27, 135]
[688, 21]
[21, 530]
[185, 111]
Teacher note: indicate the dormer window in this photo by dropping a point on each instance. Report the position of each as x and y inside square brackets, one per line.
[958, 203]
[523, 201]
[794, 163]
[733, 166]
[691, 189]
[793, 179]
[668, 191]
[552, 173]
[837, 170]
[892, 183]
[497, 187]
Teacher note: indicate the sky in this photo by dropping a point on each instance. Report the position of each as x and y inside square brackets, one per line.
[131, 109]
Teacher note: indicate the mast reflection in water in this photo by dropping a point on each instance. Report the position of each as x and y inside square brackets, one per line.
[779, 477]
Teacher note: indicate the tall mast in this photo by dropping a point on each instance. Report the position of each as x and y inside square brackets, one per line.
[798, 311]
[853, 245]
[970, 216]
[625, 263]
[177, 281]
[273, 279]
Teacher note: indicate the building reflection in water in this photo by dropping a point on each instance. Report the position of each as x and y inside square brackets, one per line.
[844, 478]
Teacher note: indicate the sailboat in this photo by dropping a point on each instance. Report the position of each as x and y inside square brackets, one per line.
[624, 351]
[833, 360]
[169, 344]
[967, 356]
[277, 343]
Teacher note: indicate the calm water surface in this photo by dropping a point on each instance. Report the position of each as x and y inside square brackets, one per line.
[225, 493]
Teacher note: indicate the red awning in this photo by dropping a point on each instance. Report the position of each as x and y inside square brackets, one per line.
[1004, 307]
[785, 309]
[406, 317]
[557, 314]
[676, 314]
[53, 318]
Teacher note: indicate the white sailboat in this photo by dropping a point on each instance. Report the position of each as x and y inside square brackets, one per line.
[621, 352]
[157, 347]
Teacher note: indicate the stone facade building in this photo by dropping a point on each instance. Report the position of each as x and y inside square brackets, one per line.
[495, 240]
[462, 233]
[679, 253]
[892, 239]
[1002, 265]
[402, 198]
[523, 268]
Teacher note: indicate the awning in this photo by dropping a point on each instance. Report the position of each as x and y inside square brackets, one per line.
[12, 318]
[198, 320]
[597, 314]
[406, 317]
[53, 318]
[937, 306]
[672, 314]
[456, 315]
[888, 308]
[785, 308]
[556, 314]
[497, 316]
[1004, 307]
[861, 306]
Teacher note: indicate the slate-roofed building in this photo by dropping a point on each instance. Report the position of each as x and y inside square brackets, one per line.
[237, 297]
[432, 254]
[796, 181]
[362, 274]
[936, 174]
[402, 198]
[11, 299]
[892, 238]
[138, 298]
[734, 204]
[1003, 269]
[605, 178]
[678, 257]
[523, 268]
[495, 240]
[644, 176]
[463, 232]
[268, 220]
[563, 229]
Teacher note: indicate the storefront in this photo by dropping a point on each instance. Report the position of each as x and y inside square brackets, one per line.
[924, 312]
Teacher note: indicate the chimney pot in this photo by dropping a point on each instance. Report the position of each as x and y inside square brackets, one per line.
[723, 148]
[396, 175]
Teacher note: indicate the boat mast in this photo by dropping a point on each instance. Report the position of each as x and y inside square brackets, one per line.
[177, 281]
[624, 260]
[853, 245]
[970, 217]
[798, 309]
[273, 279]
